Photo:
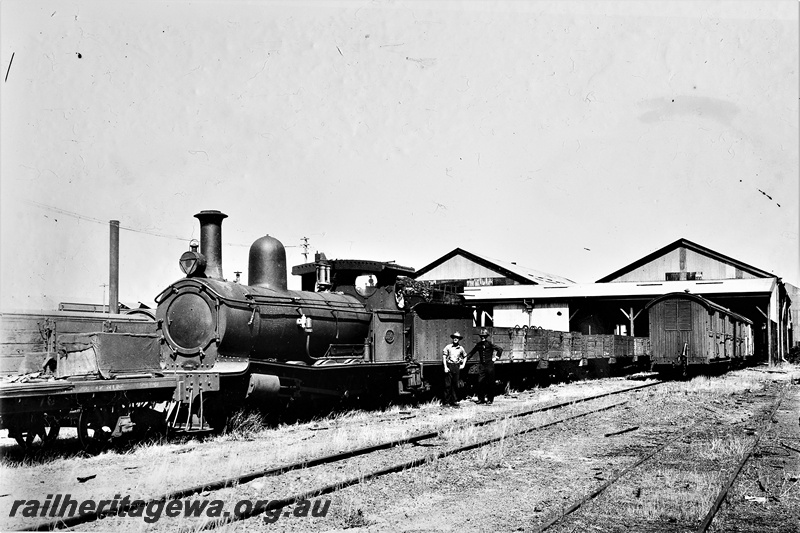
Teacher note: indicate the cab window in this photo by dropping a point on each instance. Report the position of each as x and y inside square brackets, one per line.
[366, 284]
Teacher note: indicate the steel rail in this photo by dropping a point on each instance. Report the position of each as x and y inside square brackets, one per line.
[723, 493]
[599, 490]
[578, 504]
[333, 487]
[62, 522]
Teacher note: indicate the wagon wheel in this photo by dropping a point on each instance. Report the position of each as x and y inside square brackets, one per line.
[95, 425]
[42, 426]
[148, 421]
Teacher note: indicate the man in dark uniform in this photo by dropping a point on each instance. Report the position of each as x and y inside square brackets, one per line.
[486, 352]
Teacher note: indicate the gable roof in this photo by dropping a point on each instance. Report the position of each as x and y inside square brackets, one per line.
[685, 243]
[521, 274]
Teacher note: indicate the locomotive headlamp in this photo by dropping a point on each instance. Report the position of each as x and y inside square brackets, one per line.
[192, 263]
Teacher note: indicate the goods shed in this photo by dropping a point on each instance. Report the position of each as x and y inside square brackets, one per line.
[615, 304]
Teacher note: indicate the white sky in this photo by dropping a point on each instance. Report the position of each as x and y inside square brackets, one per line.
[571, 138]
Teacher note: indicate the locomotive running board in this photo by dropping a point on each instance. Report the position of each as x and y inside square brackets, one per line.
[229, 367]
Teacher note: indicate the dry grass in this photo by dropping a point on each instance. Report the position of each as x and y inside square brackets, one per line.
[493, 456]
[729, 447]
[245, 425]
[722, 386]
[151, 468]
[670, 495]
[682, 484]
[676, 491]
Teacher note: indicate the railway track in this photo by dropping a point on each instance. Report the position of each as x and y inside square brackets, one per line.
[562, 514]
[706, 523]
[234, 481]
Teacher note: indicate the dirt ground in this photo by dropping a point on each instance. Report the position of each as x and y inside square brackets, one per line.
[516, 484]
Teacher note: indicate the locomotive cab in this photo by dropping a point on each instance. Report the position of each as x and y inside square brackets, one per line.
[372, 282]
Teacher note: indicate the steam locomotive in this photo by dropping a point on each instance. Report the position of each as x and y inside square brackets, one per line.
[347, 334]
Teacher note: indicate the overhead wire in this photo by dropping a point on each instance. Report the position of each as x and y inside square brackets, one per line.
[127, 228]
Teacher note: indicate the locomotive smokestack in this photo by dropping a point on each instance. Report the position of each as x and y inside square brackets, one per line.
[113, 267]
[211, 241]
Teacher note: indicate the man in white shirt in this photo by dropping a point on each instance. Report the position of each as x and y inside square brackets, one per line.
[454, 357]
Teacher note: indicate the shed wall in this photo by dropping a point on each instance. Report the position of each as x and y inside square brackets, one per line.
[684, 260]
[459, 267]
[552, 316]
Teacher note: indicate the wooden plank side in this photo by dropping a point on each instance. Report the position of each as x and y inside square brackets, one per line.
[21, 335]
[660, 343]
[26, 331]
[554, 349]
[19, 349]
[694, 333]
[21, 322]
[578, 347]
[431, 336]
[27, 336]
[10, 364]
[536, 345]
[135, 327]
[23, 364]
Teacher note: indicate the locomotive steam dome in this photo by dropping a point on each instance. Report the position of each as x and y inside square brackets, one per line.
[267, 264]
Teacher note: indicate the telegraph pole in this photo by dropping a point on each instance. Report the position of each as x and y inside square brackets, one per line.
[304, 246]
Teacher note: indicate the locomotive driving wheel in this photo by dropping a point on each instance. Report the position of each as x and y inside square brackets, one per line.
[40, 429]
[95, 425]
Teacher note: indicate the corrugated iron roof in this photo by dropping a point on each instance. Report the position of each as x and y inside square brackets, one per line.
[520, 274]
[537, 276]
